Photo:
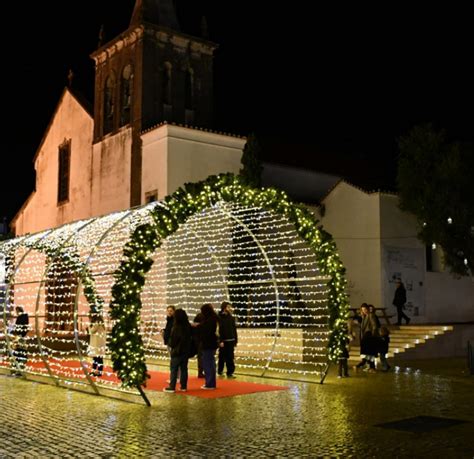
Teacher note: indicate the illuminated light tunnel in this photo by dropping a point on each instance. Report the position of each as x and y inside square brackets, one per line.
[218, 241]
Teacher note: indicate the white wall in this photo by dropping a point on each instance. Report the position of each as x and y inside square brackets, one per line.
[155, 162]
[446, 298]
[41, 211]
[362, 224]
[352, 218]
[173, 156]
[449, 299]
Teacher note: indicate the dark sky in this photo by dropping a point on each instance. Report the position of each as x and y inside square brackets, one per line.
[315, 82]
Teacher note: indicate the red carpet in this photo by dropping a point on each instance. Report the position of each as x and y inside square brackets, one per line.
[225, 387]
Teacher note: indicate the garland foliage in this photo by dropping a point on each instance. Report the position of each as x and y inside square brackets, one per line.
[126, 344]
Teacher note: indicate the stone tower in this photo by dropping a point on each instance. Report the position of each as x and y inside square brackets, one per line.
[149, 74]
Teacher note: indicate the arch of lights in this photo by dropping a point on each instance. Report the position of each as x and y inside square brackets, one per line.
[247, 254]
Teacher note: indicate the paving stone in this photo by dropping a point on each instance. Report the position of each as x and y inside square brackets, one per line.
[337, 419]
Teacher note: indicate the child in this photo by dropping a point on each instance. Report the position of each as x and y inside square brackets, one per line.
[343, 369]
[384, 342]
[97, 344]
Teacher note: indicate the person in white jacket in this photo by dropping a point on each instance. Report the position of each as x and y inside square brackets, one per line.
[97, 344]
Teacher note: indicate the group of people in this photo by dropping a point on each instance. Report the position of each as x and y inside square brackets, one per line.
[210, 331]
[374, 339]
[207, 333]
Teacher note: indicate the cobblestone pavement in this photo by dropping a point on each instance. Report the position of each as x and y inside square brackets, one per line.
[337, 419]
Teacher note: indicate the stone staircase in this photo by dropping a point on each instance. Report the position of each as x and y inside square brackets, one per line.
[405, 337]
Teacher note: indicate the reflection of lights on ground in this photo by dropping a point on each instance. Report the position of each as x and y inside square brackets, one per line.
[407, 370]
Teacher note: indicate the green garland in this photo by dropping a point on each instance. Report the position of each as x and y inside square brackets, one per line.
[126, 344]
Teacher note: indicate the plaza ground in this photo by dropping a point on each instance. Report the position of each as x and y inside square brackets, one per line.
[340, 418]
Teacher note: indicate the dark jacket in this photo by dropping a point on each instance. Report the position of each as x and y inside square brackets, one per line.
[345, 350]
[180, 340]
[207, 333]
[400, 297]
[21, 325]
[168, 327]
[384, 343]
[227, 327]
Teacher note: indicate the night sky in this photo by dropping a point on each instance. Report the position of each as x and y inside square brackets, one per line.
[321, 85]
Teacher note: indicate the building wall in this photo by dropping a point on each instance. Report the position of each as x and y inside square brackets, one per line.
[363, 226]
[446, 298]
[173, 156]
[352, 217]
[111, 173]
[449, 299]
[41, 211]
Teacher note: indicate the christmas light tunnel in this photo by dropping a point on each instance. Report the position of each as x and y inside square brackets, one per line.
[208, 242]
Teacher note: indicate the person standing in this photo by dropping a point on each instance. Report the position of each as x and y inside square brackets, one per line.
[367, 334]
[97, 344]
[343, 368]
[20, 330]
[21, 322]
[399, 300]
[208, 337]
[180, 345]
[227, 340]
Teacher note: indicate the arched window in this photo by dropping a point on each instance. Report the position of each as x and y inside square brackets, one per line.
[166, 84]
[189, 90]
[109, 104]
[64, 166]
[126, 89]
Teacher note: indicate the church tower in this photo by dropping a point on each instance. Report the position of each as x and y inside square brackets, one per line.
[149, 74]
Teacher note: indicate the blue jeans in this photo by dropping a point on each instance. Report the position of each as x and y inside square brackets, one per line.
[209, 366]
[179, 364]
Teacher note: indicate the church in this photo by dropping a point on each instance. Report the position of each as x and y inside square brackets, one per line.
[147, 134]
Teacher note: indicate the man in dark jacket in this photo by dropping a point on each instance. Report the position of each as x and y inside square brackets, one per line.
[399, 301]
[227, 340]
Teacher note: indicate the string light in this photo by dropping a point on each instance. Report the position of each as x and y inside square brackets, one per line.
[209, 242]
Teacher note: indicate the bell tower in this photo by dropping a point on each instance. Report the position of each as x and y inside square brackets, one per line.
[151, 73]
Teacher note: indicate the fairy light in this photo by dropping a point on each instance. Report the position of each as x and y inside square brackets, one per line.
[210, 242]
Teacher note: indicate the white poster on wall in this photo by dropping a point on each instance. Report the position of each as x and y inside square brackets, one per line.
[407, 264]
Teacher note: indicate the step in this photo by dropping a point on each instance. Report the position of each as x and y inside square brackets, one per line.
[424, 327]
[421, 331]
[406, 337]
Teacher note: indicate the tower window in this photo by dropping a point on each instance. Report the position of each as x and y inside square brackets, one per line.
[126, 88]
[189, 90]
[166, 84]
[109, 104]
[63, 171]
